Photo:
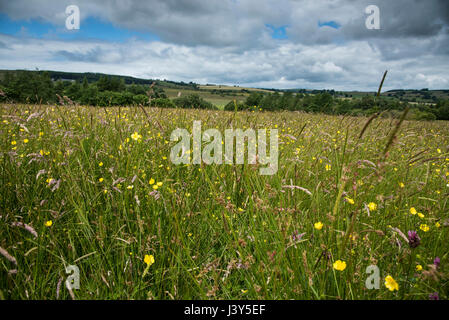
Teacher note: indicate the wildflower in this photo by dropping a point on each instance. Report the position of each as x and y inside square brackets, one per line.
[436, 262]
[135, 136]
[418, 267]
[100, 164]
[372, 206]
[151, 181]
[328, 167]
[424, 227]
[318, 225]
[25, 140]
[149, 259]
[48, 223]
[437, 225]
[159, 184]
[420, 215]
[434, 296]
[401, 184]
[391, 284]
[100, 180]
[413, 239]
[339, 265]
[350, 200]
[130, 187]
[155, 186]
[13, 143]
[413, 210]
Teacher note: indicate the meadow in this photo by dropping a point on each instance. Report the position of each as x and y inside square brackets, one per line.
[95, 188]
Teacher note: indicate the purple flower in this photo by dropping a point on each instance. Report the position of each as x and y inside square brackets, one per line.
[436, 262]
[413, 239]
[434, 296]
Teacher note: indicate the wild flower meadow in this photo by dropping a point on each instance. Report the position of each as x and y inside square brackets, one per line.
[95, 188]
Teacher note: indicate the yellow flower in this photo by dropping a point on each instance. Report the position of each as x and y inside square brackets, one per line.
[48, 223]
[391, 284]
[418, 267]
[424, 227]
[159, 184]
[350, 200]
[328, 167]
[339, 265]
[25, 140]
[420, 215]
[155, 187]
[135, 136]
[151, 181]
[149, 259]
[13, 143]
[318, 225]
[413, 210]
[372, 206]
[100, 164]
[401, 184]
[101, 179]
[437, 225]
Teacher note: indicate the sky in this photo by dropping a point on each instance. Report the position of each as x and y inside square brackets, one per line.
[282, 44]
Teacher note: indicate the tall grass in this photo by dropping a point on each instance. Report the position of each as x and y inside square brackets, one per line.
[218, 231]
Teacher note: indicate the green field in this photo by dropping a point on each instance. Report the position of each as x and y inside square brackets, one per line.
[95, 188]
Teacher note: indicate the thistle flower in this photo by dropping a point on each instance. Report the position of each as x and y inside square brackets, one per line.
[436, 262]
[434, 296]
[413, 239]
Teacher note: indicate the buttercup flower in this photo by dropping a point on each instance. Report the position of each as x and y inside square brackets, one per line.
[350, 200]
[135, 136]
[413, 210]
[318, 225]
[149, 259]
[372, 206]
[48, 223]
[391, 284]
[339, 265]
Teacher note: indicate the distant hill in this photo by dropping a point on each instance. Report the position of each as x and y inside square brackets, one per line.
[221, 94]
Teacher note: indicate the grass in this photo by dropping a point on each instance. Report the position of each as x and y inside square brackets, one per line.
[219, 231]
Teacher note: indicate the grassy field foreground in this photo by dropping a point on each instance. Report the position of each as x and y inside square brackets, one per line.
[95, 188]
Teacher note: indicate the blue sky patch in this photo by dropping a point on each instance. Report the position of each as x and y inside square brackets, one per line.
[90, 28]
[277, 32]
[331, 24]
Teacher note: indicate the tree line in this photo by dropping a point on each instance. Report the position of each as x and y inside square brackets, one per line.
[327, 103]
[39, 87]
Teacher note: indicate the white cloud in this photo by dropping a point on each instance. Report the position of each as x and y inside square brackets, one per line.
[227, 42]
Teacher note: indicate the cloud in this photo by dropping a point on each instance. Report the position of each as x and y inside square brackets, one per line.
[274, 43]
